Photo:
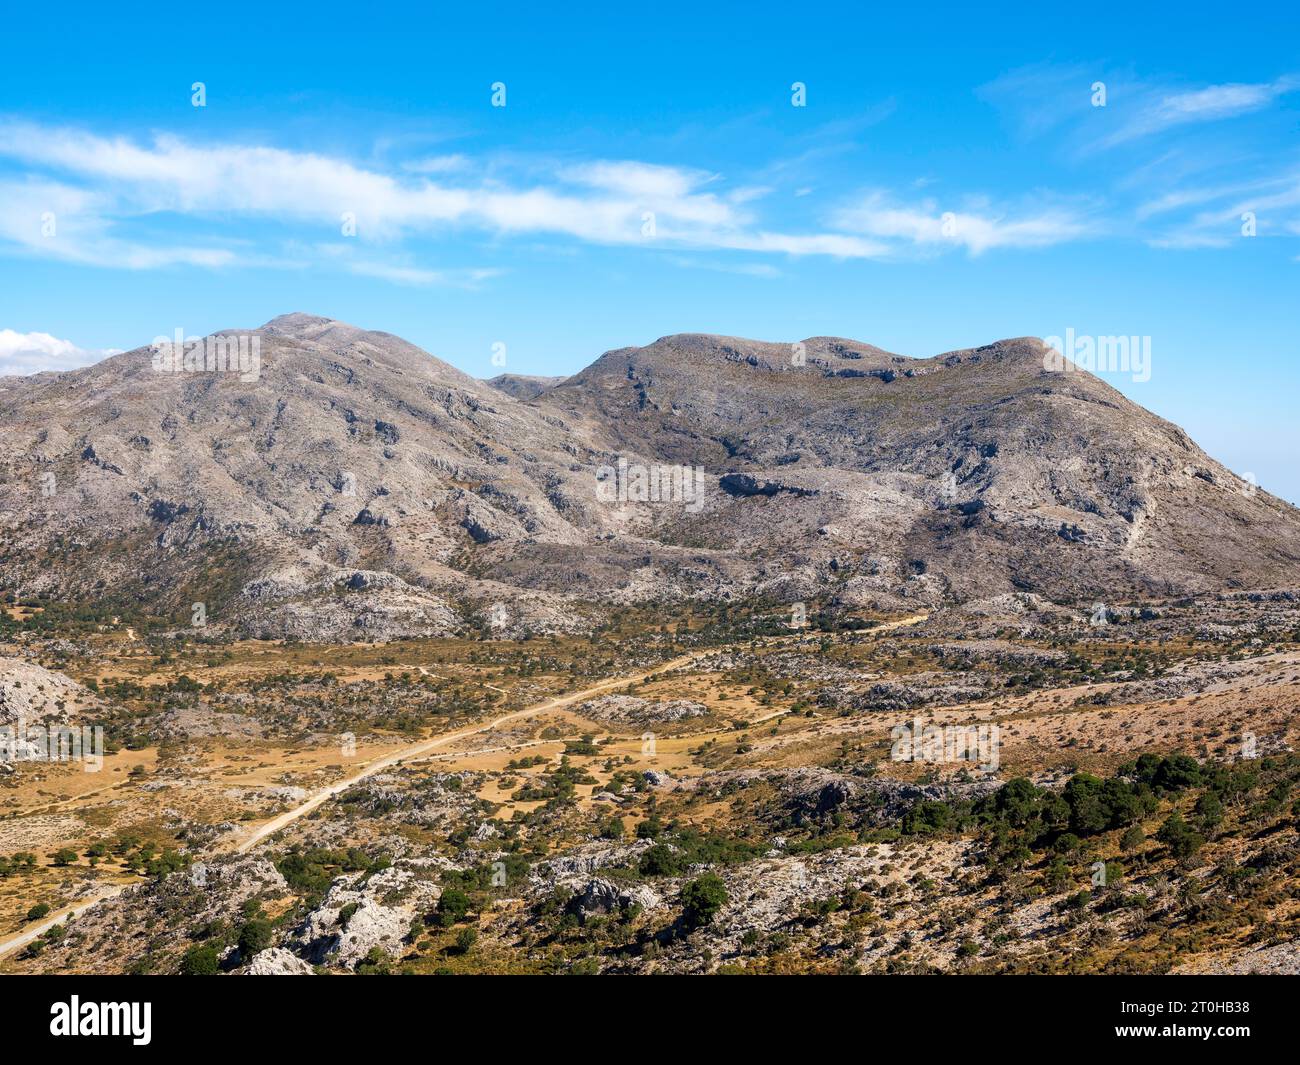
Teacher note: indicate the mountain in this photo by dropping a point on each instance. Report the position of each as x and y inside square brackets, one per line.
[359, 487]
[975, 471]
[523, 386]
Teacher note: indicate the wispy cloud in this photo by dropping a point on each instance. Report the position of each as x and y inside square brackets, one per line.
[1042, 98]
[437, 164]
[1156, 111]
[27, 353]
[1193, 166]
[403, 272]
[928, 225]
[1271, 204]
[106, 186]
[56, 220]
[745, 269]
[107, 192]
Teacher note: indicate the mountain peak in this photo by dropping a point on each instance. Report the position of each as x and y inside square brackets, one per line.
[831, 467]
[300, 324]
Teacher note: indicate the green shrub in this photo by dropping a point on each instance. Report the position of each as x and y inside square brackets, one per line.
[255, 936]
[452, 906]
[199, 960]
[702, 898]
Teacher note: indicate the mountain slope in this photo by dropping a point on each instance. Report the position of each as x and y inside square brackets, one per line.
[982, 468]
[523, 386]
[360, 487]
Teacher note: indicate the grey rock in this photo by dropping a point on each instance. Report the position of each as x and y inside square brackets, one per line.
[275, 961]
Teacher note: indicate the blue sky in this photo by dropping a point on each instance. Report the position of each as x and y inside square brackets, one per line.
[948, 182]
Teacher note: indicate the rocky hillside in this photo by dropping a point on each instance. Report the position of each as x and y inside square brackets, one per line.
[523, 386]
[361, 488]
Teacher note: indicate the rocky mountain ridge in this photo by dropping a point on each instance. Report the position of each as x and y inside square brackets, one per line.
[361, 488]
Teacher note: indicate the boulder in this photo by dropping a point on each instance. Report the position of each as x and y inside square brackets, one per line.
[276, 961]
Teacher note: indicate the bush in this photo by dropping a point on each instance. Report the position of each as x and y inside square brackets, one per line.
[38, 911]
[376, 963]
[1178, 837]
[171, 861]
[199, 960]
[702, 898]
[650, 828]
[253, 937]
[660, 860]
[1209, 812]
[1177, 772]
[452, 906]
[311, 871]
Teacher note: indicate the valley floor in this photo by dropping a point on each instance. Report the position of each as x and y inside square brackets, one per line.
[1006, 788]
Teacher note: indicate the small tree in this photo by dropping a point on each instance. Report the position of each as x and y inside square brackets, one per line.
[650, 828]
[375, 963]
[1178, 837]
[702, 898]
[1209, 812]
[199, 960]
[660, 860]
[1132, 840]
[452, 906]
[254, 936]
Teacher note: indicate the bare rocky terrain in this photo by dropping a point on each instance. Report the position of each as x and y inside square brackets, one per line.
[362, 488]
[959, 665]
[741, 807]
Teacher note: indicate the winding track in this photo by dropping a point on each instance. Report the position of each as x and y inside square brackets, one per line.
[416, 750]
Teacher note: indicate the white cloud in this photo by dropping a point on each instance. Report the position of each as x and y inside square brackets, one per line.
[1041, 98]
[1220, 101]
[1187, 240]
[109, 190]
[404, 273]
[600, 202]
[110, 187]
[437, 164]
[27, 353]
[762, 270]
[1157, 112]
[1273, 201]
[644, 181]
[61, 221]
[929, 226]
[749, 193]
[836, 245]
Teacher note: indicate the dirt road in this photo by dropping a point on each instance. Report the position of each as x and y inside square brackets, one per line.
[416, 750]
